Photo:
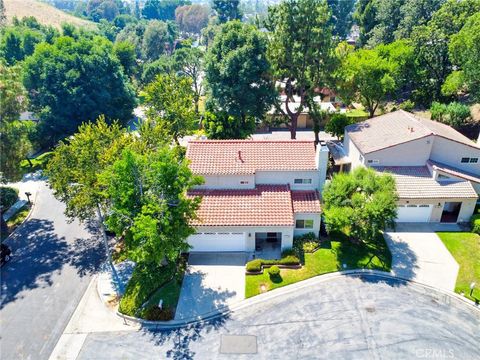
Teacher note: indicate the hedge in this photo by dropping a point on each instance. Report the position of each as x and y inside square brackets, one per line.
[476, 223]
[8, 196]
[256, 265]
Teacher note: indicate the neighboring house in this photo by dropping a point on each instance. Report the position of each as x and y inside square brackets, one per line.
[256, 193]
[437, 169]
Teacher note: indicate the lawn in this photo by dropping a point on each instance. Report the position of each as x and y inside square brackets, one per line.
[16, 220]
[38, 163]
[332, 256]
[465, 248]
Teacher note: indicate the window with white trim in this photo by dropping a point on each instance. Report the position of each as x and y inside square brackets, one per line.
[424, 205]
[373, 161]
[244, 182]
[474, 160]
[302, 181]
[304, 224]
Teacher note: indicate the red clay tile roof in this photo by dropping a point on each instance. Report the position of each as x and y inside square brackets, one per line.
[306, 202]
[223, 157]
[265, 205]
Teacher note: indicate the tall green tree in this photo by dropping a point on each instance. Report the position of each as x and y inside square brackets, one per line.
[366, 77]
[188, 62]
[464, 51]
[162, 9]
[192, 18]
[300, 50]
[227, 10]
[220, 125]
[360, 204]
[237, 71]
[342, 16]
[170, 105]
[337, 123]
[147, 194]
[125, 53]
[73, 81]
[158, 39]
[75, 169]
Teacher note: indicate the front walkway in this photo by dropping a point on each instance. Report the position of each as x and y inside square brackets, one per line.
[418, 254]
[212, 281]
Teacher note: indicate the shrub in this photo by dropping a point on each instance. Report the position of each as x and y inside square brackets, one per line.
[254, 265]
[154, 313]
[476, 223]
[438, 111]
[288, 252]
[407, 105]
[274, 271]
[453, 114]
[8, 196]
[310, 246]
[289, 260]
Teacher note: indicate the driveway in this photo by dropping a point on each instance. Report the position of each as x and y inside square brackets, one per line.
[419, 254]
[212, 281]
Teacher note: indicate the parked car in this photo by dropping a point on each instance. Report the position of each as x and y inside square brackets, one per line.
[5, 254]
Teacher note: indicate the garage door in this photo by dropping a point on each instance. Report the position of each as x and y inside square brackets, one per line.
[217, 242]
[414, 213]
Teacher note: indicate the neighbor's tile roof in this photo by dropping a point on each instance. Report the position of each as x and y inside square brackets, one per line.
[396, 128]
[454, 171]
[306, 202]
[416, 182]
[265, 205]
[223, 157]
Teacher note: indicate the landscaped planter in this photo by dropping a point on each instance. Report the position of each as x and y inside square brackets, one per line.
[299, 266]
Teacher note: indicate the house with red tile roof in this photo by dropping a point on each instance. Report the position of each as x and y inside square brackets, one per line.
[437, 169]
[257, 194]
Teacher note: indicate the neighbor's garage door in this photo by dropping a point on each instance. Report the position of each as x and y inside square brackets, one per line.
[217, 242]
[414, 213]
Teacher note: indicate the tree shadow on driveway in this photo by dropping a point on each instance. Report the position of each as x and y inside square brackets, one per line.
[404, 259]
[38, 253]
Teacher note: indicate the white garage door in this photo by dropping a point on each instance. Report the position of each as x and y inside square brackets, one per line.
[414, 213]
[217, 242]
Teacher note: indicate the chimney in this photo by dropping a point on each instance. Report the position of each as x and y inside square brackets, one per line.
[321, 162]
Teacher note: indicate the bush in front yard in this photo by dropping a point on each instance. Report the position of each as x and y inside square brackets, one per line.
[476, 224]
[274, 271]
[289, 260]
[8, 197]
[254, 265]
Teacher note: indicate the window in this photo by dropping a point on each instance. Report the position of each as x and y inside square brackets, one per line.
[370, 161]
[465, 160]
[474, 160]
[304, 224]
[424, 205]
[442, 177]
[244, 182]
[411, 205]
[302, 181]
[401, 205]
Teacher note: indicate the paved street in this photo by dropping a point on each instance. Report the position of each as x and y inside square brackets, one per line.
[52, 264]
[340, 318]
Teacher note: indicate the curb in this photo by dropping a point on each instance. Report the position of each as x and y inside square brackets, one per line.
[176, 324]
[33, 203]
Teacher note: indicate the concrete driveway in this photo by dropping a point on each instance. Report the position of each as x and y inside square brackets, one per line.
[419, 254]
[212, 281]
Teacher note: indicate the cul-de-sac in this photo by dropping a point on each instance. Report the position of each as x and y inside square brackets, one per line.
[239, 179]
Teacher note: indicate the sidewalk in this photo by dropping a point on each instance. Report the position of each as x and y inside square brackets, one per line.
[91, 316]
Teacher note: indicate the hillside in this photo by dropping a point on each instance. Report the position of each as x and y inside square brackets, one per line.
[45, 14]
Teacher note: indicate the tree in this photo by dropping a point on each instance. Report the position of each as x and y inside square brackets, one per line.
[192, 18]
[414, 13]
[125, 53]
[75, 169]
[3, 16]
[189, 62]
[163, 65]
[237, 71]
[360, 204]
[366, 77]
[133, 33]
[73, 81]
[162, 9]
[227, 10]
[157, 40]
[365, 16]
[341, 20]
[453, 114]
[12, 93]
[220, 125]
[170, 105]
[464, 50]
[300, 50]
[147, 194]
[337, 123]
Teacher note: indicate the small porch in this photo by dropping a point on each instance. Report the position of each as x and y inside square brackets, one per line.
[268, 245]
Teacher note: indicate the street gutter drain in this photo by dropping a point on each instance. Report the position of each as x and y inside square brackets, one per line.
[238, 344]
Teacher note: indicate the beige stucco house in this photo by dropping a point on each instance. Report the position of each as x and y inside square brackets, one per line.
[257, 194]
[437, 169]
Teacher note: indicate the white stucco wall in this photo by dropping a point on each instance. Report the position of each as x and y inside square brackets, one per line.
[288, 177]
[412, 153]
[466, 210]
[352, 152]
[287, 233]
[451, 152]
[227, 182]
[308, 216]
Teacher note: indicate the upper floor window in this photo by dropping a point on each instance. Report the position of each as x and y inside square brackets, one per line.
[442, 177]
[302, 181]
[469, 160]
[304, 224]
[244, 182]
[373, 161]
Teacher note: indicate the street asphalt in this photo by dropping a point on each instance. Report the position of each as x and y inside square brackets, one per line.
[342, 318]
[52, 264]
